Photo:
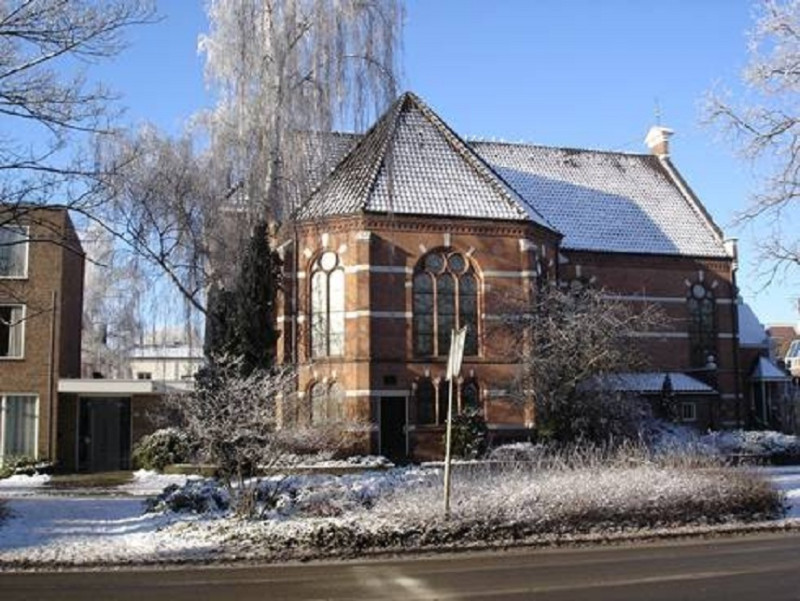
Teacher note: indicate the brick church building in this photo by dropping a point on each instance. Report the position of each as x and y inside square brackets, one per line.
[416, 231]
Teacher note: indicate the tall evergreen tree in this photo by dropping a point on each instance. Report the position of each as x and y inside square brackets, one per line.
[254, 319]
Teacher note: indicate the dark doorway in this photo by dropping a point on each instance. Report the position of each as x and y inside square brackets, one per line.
[104, 434]
[393, 429]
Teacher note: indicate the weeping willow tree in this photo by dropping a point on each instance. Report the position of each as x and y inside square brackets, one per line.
[286, 72]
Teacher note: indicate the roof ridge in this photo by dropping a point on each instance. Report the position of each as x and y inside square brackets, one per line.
[565, 148]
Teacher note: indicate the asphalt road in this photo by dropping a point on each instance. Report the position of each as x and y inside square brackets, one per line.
[762, 567]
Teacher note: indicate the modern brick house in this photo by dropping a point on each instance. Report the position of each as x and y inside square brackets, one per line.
[41, 293]
[416, 231]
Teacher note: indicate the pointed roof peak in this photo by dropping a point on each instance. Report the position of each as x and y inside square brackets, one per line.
[417, 165]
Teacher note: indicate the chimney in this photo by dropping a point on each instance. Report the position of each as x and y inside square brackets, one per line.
[657, 140]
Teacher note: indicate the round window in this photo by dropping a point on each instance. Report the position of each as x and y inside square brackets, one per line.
[328, 261]
[457, 263]
[698, 291]
[434, 262]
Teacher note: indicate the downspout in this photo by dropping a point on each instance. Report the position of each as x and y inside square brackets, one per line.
[731, 246]
[52, 381]
[295, 295]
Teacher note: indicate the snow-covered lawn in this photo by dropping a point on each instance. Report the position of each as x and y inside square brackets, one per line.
[388, 509]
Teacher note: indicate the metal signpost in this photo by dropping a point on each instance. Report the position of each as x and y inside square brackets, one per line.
[457, 338]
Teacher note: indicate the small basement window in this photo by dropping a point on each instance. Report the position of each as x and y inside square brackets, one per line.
[144, 375]
[688, 412]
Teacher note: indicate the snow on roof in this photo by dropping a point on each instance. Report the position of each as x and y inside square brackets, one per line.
[608, 201]
[654, 382]
[765, 370]
[412, 163]
[751, 332]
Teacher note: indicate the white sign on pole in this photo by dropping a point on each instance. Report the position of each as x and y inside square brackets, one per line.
[456, 353]
[457, 339]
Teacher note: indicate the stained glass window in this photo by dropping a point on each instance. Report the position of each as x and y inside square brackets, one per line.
[327, 306]
[702, 325]
[445, 296]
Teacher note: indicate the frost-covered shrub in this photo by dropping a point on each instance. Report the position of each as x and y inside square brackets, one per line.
[769, 445]
[160, 449]
[24, 466]
[196, 496]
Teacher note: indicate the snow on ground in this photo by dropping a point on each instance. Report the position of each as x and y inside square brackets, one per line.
[787, 480]
[22, 485]
[47, 529]
[90, 530]
[147, 483]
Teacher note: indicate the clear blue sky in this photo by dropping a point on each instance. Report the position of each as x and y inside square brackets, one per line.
[579, 73]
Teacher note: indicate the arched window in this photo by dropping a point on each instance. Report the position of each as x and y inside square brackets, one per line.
[445, 296]
[444, 393]
[470, 396]
[702, 325]
[426, 402]
[319, 402]
[327, 306]
[335, 402]
[326, 403]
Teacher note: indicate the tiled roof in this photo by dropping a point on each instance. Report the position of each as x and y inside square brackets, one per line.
[766, 370]
[412, 163]
[607, 201]
[653, 382]
[751, 332]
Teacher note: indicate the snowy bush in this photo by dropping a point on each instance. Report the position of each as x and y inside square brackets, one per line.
[763, 445]
[769, 445]
[196, 496]
[24, 466]
[160, 449]
[402, 508]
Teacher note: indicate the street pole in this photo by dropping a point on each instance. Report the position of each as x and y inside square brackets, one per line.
[457, 339]
[447, 450]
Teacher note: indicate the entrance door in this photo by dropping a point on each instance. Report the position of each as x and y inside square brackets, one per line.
[393, 428]
[104, 434]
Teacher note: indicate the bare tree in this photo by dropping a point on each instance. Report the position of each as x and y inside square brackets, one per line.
[43, 109]
[113, 284]
[569, 344]
[246, 425]
[163, 205]
[766, 124]
[48, 110]
[286, 72]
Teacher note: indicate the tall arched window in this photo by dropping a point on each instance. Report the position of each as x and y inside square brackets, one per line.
[319, 401]
[327, 306]
[426, 402]
[470, 396]
[335, 402]
[702, 325]
[326, 403]
[445, 297]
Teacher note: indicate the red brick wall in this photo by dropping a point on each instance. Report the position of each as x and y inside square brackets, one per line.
[380, 254]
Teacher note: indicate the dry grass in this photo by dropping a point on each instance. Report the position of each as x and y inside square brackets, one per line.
[570, 493]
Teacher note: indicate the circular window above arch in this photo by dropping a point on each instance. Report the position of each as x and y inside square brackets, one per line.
[328, 260]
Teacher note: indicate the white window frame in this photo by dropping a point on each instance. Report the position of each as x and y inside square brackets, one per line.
[693, 411]
[3, 397]
[21, 325]
[27, 231]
